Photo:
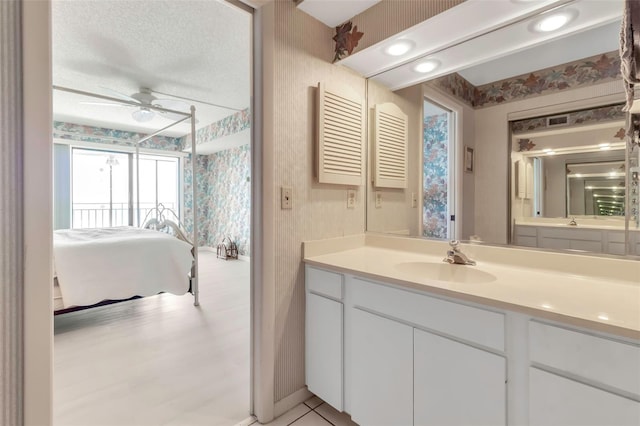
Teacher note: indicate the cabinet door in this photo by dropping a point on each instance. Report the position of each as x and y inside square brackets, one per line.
[558, 401]
[323, 348]
[457, 384]
[382, 371]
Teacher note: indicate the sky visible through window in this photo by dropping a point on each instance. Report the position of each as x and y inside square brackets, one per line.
[101, 184]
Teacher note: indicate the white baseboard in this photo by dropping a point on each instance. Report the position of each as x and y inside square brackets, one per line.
[287, 403]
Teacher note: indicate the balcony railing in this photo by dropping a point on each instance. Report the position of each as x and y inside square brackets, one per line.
[96, 215]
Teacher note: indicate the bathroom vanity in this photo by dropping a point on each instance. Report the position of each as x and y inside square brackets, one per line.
[394, 336]
[589, 234]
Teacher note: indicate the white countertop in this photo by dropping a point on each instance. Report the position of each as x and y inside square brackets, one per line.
[600, 303]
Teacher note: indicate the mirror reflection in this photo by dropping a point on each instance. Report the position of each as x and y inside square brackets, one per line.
[505, 150]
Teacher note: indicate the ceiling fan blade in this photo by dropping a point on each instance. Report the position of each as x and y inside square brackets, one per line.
[119, 95]
[105, 104]
[173, 104]
[172, 116]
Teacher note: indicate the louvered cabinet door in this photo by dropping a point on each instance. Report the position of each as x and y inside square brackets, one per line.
[340, 144]
[391, 150]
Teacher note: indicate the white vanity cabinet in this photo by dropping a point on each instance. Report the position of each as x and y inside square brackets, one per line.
[420, 360]
[457, 384]
[580, 379]
[323, 335]
[381, 371]
[392, 355]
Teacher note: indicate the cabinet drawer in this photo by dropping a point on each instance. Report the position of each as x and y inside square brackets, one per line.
[555, 400]
[526, 231]
[464, 322]
[324, 282]
[605, 361]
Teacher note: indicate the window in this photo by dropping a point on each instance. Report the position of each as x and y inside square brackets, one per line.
[104, 187]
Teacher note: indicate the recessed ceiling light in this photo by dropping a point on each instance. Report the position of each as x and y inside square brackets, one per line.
[399, 47]
[604, 146]
[550, 152]
[426, 66]
[553, 22]
[578, 175]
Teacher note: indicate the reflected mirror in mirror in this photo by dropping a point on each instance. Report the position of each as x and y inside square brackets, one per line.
[563, 94]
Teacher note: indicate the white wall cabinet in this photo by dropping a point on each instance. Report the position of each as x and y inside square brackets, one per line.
[393, 356]
[382, 378]
[457, 384]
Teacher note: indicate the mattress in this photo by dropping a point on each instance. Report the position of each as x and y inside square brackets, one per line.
[93, 265]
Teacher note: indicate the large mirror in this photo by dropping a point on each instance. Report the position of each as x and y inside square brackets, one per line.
[527, 148]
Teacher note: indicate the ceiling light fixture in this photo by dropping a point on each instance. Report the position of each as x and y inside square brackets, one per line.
[399, 47]
[604, 146]
[553, 22]
[142, 115]
[426, 66]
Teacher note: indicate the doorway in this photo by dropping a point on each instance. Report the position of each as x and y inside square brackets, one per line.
[438, 173]
[159, 359]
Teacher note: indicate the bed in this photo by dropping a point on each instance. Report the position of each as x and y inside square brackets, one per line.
[106, 264]
[95, 266]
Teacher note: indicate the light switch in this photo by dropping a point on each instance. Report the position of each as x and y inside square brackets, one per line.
[286, 197]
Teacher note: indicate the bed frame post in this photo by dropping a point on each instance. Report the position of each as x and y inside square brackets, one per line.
[194, 276]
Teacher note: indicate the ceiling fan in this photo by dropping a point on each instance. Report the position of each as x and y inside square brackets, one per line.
[145, 99]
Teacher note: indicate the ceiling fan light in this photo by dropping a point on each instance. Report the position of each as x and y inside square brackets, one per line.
[143, 115]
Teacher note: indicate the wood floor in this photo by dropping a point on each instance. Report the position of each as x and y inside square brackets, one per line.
[159, 360]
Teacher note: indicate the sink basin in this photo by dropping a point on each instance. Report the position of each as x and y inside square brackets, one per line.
[442, 271]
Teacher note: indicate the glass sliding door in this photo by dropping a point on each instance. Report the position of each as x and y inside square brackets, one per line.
[104, 188]
[100, 188]
[158, 184]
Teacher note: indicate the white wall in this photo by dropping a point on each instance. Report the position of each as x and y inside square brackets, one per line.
[38, 323]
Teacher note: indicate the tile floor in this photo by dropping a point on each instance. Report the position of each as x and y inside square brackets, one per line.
[314, 412]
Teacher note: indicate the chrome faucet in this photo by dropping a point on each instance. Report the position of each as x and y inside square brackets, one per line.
[455, 256]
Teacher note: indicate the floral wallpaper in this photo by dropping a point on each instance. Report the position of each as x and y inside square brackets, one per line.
[595, 115]
[456, 85]
[435, 176]
[202, 185]
[596, 69]
[223, 189]
[229, 125]
[82, 133]
[229, 197]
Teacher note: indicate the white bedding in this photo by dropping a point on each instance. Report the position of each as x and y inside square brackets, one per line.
[118, 263]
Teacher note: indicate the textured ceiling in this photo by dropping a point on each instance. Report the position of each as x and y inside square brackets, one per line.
[194, 49]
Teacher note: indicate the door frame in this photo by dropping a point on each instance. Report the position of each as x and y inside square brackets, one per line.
[37, 364]
[455, 160]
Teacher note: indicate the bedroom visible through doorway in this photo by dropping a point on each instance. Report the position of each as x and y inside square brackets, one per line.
[152, 211]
